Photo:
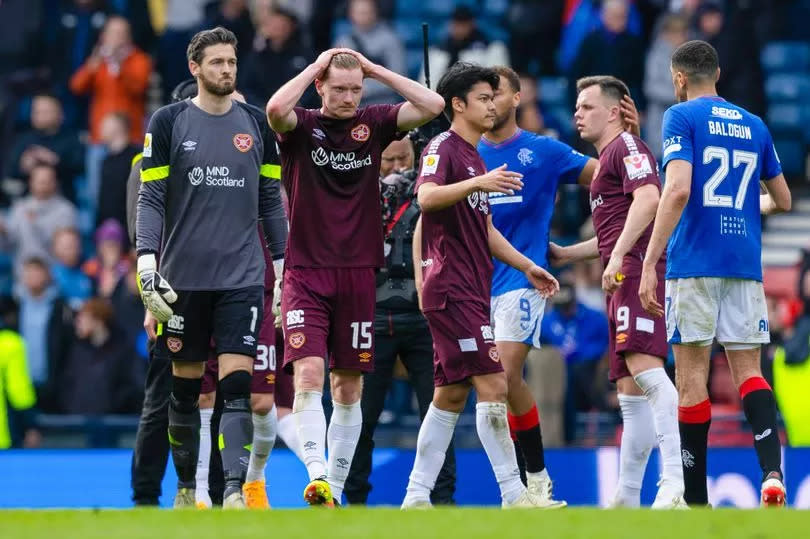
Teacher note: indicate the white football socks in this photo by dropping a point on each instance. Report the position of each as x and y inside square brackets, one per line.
[434, 438]
[311, 423]
[264, 437]
[288, 432]
[204, 458]
[638, 439]
[342, 438]
[663, 398]
[493, 430]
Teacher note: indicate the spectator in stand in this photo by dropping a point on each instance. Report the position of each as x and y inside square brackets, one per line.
[534, 30]
[45, 321]
[612, 49]
[110, 263]
[16, 388]
[48, 142]
[112, 197]
[465, 42]
[35, 218]
[73, 284]
[581, 335]
[183, 19]
[671, 33]
[235, 16]
[128, 305]
[279, 53]
[115, 77]
[375, 40]
[100, 375]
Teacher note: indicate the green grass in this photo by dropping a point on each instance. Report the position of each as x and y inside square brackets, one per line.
[358, 523]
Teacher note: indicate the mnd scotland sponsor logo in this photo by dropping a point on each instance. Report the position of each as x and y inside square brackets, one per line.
[340, 161]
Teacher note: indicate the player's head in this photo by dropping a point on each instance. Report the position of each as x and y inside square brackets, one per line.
[507, 95]
[598, 106]
[694, 64]
[397, 157]
[468, 91]
[341, 86]
[212, 60]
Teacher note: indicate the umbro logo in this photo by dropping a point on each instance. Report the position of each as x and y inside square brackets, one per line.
[310, 445]
[342, 463]
[765, 434]
[189, 145]
[471, 170]
[318, 134]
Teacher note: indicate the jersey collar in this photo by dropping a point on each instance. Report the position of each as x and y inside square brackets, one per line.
[491, 144]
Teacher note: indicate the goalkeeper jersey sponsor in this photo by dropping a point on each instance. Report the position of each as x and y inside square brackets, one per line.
[205, 182]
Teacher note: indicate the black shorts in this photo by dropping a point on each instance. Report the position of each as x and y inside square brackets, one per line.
[232, 318]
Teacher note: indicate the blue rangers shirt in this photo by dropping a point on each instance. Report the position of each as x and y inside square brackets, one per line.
[524, 218]
[730, 149]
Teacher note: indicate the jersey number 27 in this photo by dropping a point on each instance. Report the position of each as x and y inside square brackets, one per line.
[738, 157]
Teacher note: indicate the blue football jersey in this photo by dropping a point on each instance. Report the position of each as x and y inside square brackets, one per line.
[731, 150]
[524, 218]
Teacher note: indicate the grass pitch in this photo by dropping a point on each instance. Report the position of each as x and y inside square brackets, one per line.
[361, 523]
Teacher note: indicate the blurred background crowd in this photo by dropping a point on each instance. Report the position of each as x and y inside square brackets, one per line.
[79, 78]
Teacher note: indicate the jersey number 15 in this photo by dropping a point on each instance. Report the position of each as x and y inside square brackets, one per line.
[738, 157]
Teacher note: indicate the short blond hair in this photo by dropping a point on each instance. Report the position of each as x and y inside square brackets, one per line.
[342, 60]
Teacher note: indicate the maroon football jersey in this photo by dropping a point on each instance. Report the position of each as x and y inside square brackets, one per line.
[456, 261]
[624, 165]
[331, 169]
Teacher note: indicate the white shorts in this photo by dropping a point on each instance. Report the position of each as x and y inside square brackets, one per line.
[699, 309]
[517, 315]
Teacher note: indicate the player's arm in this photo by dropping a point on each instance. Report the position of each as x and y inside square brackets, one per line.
[584, 250]
[677, 188]
[501, 249]
[280, 107]
[422, 103]
[435, 197]
[586, 175]
[777, 199]
[417, 260]
[641, 213]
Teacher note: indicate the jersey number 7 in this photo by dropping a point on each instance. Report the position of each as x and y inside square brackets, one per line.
[739, 157]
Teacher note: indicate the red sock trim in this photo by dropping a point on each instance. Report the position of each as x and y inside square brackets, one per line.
[755, 383]
[699, 413]
[527, 421]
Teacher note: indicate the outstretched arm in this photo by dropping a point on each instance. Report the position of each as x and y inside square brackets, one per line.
[501, 249]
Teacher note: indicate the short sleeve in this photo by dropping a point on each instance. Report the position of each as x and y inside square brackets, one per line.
[677, 136]
[636, 166]
[385, 119]
[157, 147]
[567, 161]
[302, 116]
[771, 167]
[435, 167]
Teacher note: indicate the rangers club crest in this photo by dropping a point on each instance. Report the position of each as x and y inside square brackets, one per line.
[243, 142]
[361, 133]
[174, 344]
[297, 340]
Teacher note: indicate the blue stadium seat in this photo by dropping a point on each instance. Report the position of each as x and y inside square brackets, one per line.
[408, 8]
[341, 28]
[785, 57]
[791, 156]
[788, 87]
[565, 118]
[553, 91]
[414, 58]
[410, 30]
[495, 8]
[786, 119]
[493, 30]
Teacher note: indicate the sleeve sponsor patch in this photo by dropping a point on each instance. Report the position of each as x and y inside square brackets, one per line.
[430, 163]
[147, 145]
[637, 165]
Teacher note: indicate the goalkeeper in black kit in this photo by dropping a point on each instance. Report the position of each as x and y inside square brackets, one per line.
[208, 172]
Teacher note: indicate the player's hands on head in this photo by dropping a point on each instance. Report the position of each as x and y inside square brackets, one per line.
[543, 281]
[500, 180]
[647, 292]
[612, 276]
[557, 255]
[365, 64]
[632, 121]
[156, 292]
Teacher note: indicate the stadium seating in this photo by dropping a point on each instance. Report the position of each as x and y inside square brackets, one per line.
[788, 87]
[785, 56]
[553, 91]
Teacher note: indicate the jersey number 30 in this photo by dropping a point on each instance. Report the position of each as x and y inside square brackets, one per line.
[738, 157]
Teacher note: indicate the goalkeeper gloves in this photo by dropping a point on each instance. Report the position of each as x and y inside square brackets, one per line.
[155, 291]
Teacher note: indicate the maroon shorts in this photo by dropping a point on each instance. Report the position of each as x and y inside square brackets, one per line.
[264, 366]
[631, 328]
[329, 313]
[463, 343]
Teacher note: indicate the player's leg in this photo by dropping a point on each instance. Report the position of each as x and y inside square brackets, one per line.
[742, 329]
[265, 427]
[311, 421]
[375, 389]
[344, 427]
[206, 404]
[434, 437]
[638, 440]
[284, 395]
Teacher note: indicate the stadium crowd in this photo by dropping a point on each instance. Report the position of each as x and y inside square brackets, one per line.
[79, 79]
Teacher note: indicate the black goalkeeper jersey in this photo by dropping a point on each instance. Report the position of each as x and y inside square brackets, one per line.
[205, 181]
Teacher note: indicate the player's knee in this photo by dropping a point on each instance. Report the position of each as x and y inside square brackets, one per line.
[261, 403]
[185, 393]
[236, 387]
[628, 386]
[347, 388]
[207, 400]
[494, 390]
[309, 374]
